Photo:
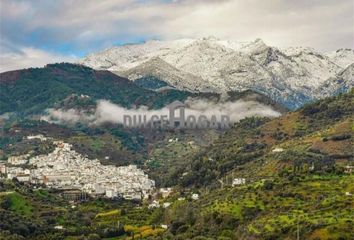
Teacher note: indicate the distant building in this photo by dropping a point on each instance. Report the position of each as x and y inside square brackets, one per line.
[348, 169]
[99, 189]
[312, 167]
[110, 193]
[39, 136]
[23, 177]
[18, 160]
[10, 176]
[238, 181]
[74, 195]
[166, 204]
[165, 192]
[276, 150]
[13, 172]
[195, 196]
[55, 178]
[154, 204]
[132, 195]
[3, 169]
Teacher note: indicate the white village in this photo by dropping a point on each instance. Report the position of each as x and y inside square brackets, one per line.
[64, 168]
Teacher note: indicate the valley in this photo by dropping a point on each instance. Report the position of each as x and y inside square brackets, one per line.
[264, 178]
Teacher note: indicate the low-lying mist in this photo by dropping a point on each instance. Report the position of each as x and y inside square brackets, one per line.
[108, 112]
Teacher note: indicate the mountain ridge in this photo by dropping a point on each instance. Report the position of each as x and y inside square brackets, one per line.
[205, 64]
[31, 91]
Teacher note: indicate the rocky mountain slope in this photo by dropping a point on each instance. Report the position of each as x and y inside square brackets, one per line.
[291, 76]
[69, 86]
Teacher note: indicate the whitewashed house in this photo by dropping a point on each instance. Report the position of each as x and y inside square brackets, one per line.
[166, 204]
[18, 160]
[3, 169]
[238, 181]
[165, 192]
[23, 177]
[277, 150]
[154, 204]
[195, 196]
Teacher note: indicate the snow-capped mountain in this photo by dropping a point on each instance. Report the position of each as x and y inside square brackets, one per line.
[342, 82]
[291, 76]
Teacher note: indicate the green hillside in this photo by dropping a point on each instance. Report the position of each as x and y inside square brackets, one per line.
[320, 132]
[33, 90]
[301, 189]
[294, 168]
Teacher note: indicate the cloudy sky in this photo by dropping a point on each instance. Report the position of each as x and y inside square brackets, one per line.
[34, 33]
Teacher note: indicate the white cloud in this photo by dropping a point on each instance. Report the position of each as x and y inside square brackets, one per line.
[88, 25]
[321, 24]
[30, 57]
[109, 112]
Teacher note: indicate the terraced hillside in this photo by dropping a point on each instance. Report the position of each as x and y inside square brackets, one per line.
[297, 185]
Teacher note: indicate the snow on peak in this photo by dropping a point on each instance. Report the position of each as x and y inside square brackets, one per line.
[343, 57]
[287, 75]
